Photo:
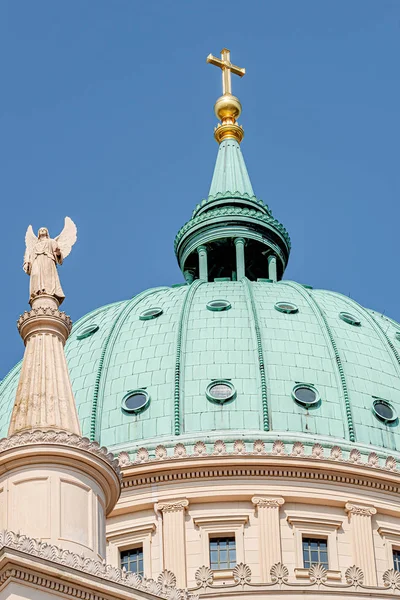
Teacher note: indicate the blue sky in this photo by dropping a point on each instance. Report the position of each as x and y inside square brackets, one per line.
[106, 115]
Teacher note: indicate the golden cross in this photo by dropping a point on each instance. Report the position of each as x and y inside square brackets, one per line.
[227, 67]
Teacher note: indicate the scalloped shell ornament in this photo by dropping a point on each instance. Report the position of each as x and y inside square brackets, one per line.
[160, 452]
[298, 449]
[179, 450]
[123, 459]
[142, 455]
[259, 447]
[219, 447]
[239, 447]
[355, 456]
[204, 576]
[278, 448]
[279, 573]
[391, 463]
[373, 459]
[317, 451]
[200, 449]
[354, 576]
[242, 574]
[336, 453]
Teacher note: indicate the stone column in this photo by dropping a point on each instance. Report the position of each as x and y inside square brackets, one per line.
[363, 545]
[272, 270]
[203, 266]
[269, 531]
[240, 262]
[174, 538]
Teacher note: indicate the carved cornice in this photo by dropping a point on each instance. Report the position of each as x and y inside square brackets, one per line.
[245, 459]
[60, 438]
[164, 587]
[44, 320]
[360, 509]
[267, 502]
[172, 506]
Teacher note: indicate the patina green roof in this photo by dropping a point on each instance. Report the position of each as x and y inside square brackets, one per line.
[230, 172]
[263, 352]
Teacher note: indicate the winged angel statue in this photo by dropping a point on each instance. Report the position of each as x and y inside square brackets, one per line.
[42, 254]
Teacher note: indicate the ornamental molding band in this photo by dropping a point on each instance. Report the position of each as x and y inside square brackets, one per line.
[240, 458]
[60, 438]
[164, 587]
[317, 581]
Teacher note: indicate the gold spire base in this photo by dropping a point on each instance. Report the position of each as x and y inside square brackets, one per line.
[228, 131]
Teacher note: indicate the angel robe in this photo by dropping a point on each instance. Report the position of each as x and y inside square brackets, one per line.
[43, 272]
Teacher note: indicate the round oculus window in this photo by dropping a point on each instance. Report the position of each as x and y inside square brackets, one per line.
[218, 305]
[135, 401]
[87, 331]
[349, 318]
[306, 395]
[220, 391]
[384, 411]
[286, 307]
[150, 313]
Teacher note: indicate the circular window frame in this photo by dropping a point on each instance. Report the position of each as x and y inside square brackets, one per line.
[216, 400]
[227, 305]
[157, 313]
[349, 318]
[301, 402]
[87, 331]
[285, 309]
[380, 417]
[135, 411]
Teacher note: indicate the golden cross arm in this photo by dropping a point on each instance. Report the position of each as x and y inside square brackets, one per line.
[224, 63]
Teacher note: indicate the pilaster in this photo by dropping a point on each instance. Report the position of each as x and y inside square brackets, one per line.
[363, 546]
[174, 538]
[269, 530]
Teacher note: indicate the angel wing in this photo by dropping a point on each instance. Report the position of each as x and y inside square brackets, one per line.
[30, 241]
[67, 237]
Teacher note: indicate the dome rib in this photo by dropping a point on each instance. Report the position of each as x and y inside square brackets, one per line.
[320, 313]
[260, 352]
[183, 317]
[119, 320]
[377, 327]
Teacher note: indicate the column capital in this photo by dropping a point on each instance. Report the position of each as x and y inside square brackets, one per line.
[201, 249]
[239, 240]
[172, 505]
[360, 509]
[268, 501]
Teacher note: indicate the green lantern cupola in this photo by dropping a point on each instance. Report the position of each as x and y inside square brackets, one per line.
[232, 234]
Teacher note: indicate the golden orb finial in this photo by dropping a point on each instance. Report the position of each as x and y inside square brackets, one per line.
[227, 107]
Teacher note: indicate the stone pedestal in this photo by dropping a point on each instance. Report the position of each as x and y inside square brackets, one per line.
[270, 535]
[58, 487]
[174, 538]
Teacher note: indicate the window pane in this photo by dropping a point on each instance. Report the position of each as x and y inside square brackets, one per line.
[132, 560]
[315, 551]
[222, 553]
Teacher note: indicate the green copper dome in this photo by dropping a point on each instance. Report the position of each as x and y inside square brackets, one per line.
[235, 352]
[262, 352]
